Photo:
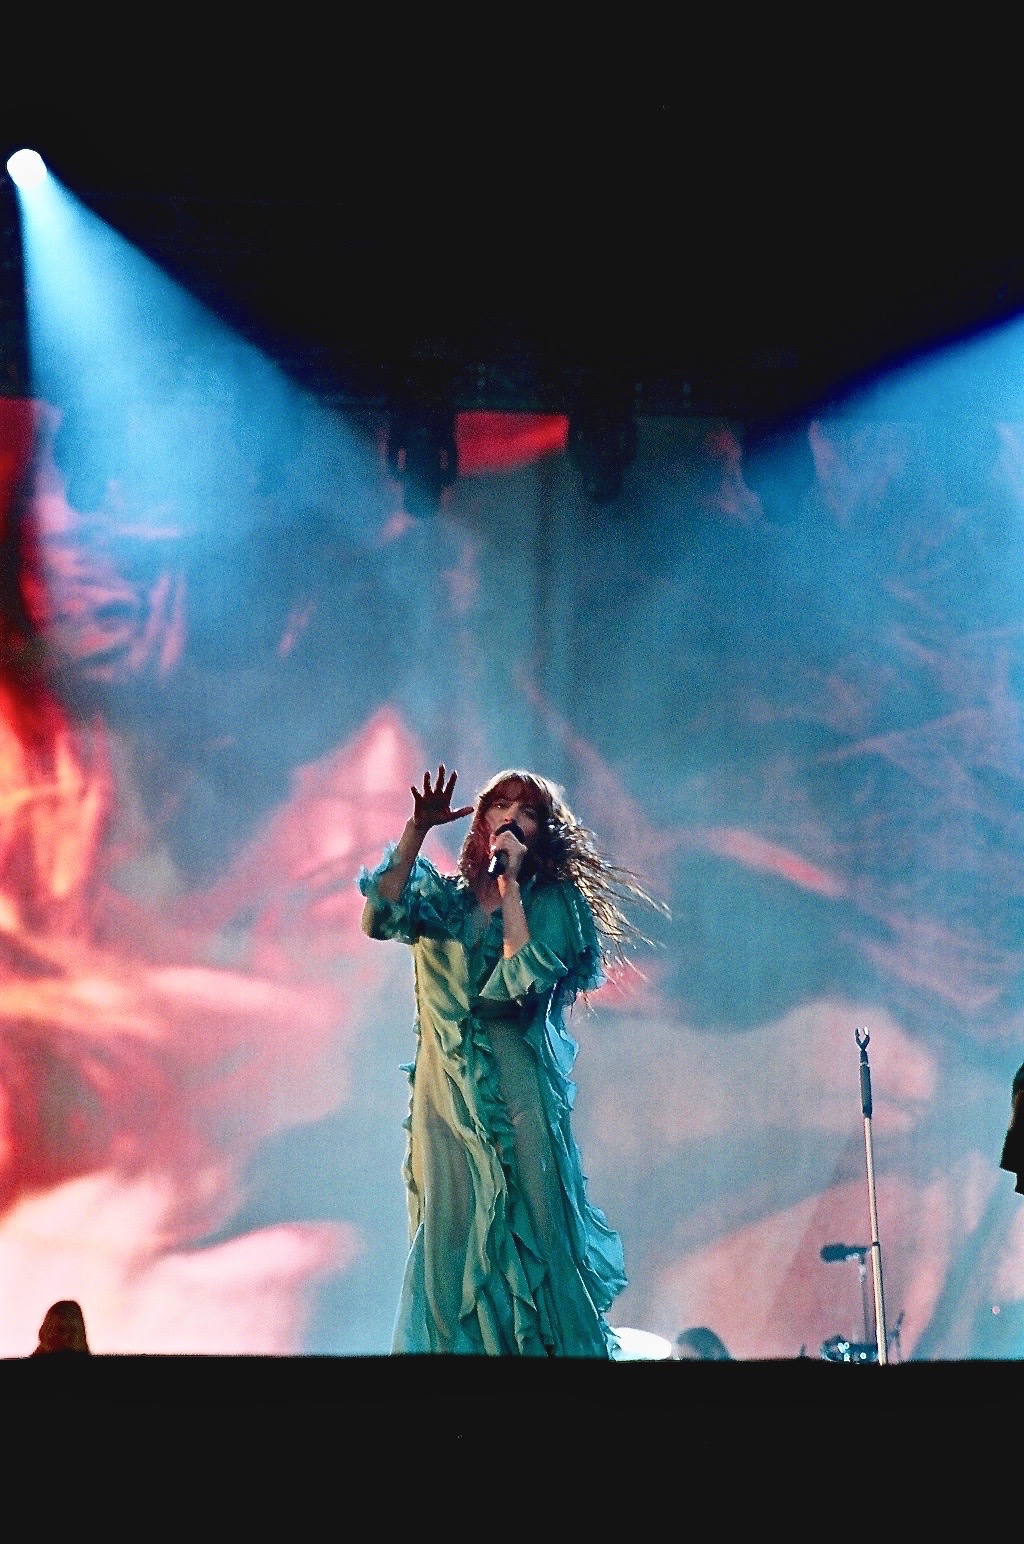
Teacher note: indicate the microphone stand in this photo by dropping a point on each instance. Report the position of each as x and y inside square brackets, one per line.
[876, 1248]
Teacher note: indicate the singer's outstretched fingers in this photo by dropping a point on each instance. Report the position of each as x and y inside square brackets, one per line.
[432, 804]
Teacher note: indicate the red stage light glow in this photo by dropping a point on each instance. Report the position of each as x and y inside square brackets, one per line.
[501, 442]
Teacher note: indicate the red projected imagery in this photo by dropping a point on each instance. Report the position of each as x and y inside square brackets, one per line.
[138, 1074]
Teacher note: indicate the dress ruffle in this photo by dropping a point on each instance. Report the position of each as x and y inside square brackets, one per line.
[508, 1295]
[428, 906]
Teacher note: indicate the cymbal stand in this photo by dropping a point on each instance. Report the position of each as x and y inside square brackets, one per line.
[862, 1038]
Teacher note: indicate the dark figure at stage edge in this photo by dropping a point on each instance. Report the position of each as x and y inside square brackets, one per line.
[1012, 1156]
[507, 1257]
[62, 1332]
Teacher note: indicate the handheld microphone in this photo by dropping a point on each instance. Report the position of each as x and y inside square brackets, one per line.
[499, 860]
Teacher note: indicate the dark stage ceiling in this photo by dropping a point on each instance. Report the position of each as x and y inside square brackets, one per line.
[708, 267]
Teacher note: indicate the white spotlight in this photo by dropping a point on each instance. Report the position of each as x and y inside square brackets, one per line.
[27, 168]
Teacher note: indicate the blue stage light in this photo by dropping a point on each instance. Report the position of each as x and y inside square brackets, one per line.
[27, 168]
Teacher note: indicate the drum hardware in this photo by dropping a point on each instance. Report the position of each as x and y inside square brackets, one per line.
[839, 1349]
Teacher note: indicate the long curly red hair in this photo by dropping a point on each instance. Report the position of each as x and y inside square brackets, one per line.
[565, 850]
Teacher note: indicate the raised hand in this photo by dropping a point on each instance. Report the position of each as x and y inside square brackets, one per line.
[432, 805]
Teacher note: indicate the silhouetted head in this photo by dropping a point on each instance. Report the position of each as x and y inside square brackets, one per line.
[62, 1329]
[700, 1344]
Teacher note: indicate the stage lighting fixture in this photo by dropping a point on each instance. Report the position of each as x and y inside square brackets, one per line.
[26, 168]
[602, 444]
[423, 457]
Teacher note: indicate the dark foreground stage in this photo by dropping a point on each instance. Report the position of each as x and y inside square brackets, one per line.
[371, 1391]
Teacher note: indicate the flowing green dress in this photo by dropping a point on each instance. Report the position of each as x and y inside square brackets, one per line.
[507, 1256]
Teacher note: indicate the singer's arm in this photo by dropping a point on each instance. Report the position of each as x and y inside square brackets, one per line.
[392, 883]
[513, 917]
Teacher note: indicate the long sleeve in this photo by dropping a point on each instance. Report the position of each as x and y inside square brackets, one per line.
[423, 909]
[563, 947]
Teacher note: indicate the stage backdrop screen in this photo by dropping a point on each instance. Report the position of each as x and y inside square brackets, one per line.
[784, 686]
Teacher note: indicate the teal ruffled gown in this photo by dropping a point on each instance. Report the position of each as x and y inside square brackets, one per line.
[507, 1256]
